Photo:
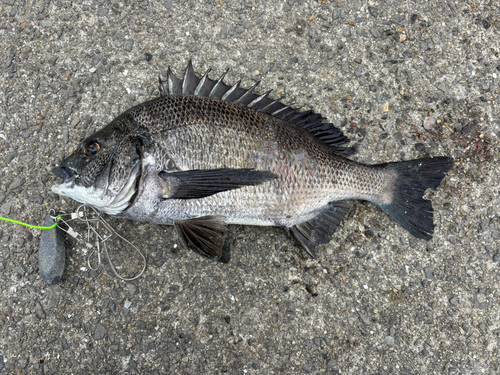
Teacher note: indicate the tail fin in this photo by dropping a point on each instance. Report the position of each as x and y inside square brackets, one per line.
[408, 207]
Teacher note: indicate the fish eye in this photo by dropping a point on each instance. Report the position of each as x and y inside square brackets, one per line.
[92, 148]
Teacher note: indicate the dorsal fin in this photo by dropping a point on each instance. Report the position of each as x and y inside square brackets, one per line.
[309, 121]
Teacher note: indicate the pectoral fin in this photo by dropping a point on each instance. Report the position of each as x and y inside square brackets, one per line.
[202, 183]
[205, 235]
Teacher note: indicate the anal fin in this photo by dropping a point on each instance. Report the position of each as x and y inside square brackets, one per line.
[319, 229]
[205, 236]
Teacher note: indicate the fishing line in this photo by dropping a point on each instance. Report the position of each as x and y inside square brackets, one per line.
[30, 225]
[89, 216]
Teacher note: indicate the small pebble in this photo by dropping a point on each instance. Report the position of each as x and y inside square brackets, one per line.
[389, 340]
[23, 363]
[382, 98]
[429, 123]
[5, 208]
[51, 253]
[16, 182]
[128, 45]
[485, 305]
[455, 301]
[429, 273]
[496, 257]
[100, 332]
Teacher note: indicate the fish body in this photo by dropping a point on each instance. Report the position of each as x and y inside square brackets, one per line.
[204, 155]
[305, 174]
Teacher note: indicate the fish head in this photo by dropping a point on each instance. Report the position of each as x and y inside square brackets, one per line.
[105, 169]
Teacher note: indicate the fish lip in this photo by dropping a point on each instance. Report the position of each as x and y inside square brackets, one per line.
[59, 189]
[67, 174]
[61, 173]
[69, 177]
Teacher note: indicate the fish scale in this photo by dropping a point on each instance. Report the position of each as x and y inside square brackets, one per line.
[205, 154]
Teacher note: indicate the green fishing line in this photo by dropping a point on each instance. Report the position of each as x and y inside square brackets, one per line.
[29, 225]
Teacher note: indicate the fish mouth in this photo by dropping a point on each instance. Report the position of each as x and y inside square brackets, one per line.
[68, 176]
[63, 172]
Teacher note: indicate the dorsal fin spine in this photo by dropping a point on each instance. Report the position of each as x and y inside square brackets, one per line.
[162, 87]
[190, 81]
[219, 83]
[265, 109]
[231, 90]
[174, 83]
[259, 99]
[247, 94]
[280, 110]
[201, 84]
[169, 81]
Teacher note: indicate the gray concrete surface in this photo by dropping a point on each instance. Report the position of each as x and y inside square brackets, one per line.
[377, 301]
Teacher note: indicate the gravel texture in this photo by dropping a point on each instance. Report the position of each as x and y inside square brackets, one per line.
[403, 79]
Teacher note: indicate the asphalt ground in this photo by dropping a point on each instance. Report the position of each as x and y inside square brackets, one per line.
[403, 79]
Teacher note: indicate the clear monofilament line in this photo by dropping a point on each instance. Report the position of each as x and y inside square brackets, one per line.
[92, 220]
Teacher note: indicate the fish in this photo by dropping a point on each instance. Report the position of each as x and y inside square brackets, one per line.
[204, 155]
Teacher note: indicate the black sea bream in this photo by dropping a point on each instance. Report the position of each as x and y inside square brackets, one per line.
[204, 155]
